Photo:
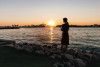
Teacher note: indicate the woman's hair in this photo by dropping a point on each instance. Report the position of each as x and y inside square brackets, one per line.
[65, 19]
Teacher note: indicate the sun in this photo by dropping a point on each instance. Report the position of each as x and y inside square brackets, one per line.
[51, 23]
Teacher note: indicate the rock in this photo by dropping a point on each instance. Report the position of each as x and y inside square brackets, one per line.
[86, 59]
[40, 48]
[49, 47]
[28, 49]
[39, 52]
[58, 57]
[53, 56]
[79, 63]
[68, 57]
[83, 51]
[79, 54]
[67, 64]
[19, 48]
[97, 54]
[25, 43]
[45, 46]
[60, 65]
[71, 62]
[71, 51]
[47, 53]
[88, 55]
[54, 45]
[55, 65]
[53, 49]
[95, 58]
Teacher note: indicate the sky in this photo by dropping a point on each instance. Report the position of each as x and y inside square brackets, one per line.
[27, 12]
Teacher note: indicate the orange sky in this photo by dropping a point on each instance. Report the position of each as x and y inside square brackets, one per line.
[27, 12]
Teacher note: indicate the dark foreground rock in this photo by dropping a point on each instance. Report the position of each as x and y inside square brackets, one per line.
[70, 58]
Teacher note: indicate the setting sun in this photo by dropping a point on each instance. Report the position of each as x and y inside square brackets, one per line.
[51, 23]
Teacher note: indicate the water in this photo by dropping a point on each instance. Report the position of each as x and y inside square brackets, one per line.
[82, 38]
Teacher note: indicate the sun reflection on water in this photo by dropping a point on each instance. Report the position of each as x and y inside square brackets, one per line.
[51, 34]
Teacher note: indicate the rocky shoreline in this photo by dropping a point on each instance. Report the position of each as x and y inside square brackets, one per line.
[70, 58]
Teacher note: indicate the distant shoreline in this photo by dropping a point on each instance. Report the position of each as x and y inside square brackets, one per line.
[60, 26]
[9, 27]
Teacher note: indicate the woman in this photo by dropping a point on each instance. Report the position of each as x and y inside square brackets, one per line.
[65, 35]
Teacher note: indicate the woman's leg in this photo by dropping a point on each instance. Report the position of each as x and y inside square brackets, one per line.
[61, 47]
[66, 47]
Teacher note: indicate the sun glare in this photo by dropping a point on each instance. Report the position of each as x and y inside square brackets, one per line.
[51, 23]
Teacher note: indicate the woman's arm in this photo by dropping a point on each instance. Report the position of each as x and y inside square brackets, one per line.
[62, 28]
[68, 26]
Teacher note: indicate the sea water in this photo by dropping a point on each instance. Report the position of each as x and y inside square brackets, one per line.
[81, 38]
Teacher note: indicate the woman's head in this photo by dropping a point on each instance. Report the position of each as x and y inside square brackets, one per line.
[65, 20]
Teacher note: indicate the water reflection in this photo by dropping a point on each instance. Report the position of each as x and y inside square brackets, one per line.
[45, 36]
[51, 34]
[79, 37]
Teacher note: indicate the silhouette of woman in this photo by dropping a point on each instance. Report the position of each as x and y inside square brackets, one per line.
[65, 35]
